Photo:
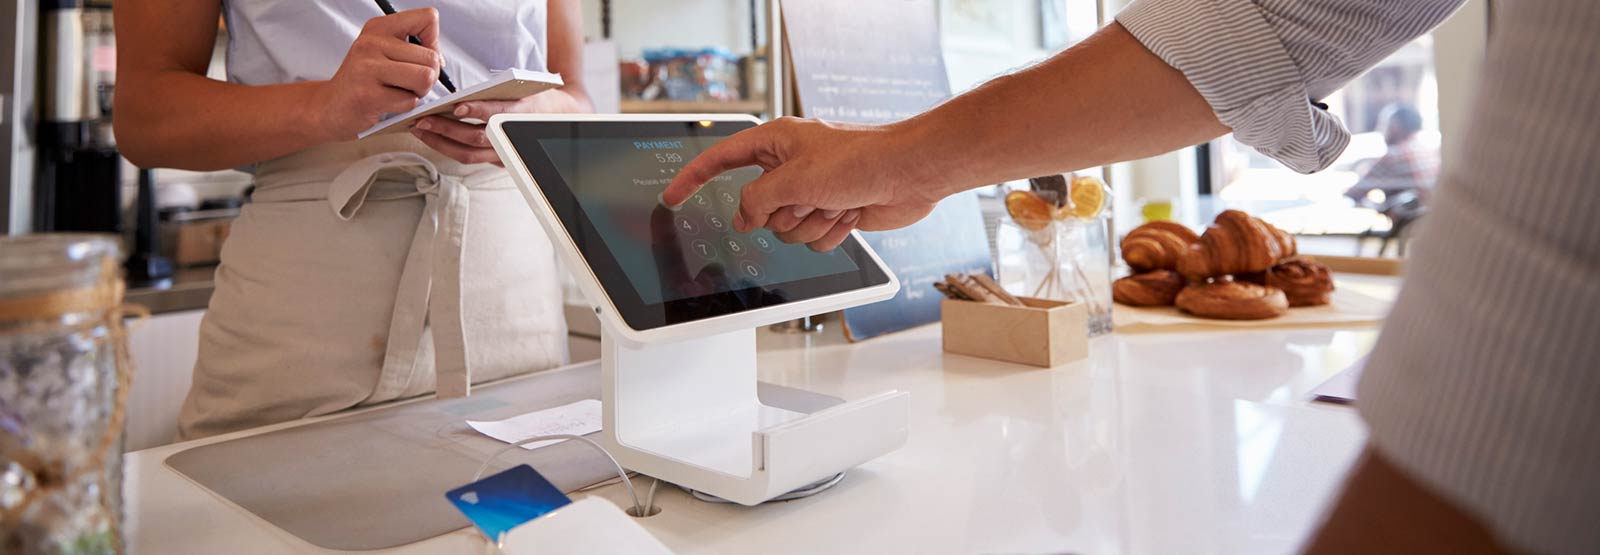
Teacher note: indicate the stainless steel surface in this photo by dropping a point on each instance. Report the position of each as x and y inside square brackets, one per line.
[64, 70]
[18, 65]
[190, 290]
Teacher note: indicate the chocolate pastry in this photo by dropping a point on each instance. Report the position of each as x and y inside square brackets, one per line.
[1156, 245]
[1156, 288]
[1303, 280]
[1258, 278]
[1233, 300]
[1237, 243]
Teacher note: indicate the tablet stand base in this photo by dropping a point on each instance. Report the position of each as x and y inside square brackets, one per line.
[687, 412]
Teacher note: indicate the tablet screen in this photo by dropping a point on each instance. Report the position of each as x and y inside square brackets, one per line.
[664, 266]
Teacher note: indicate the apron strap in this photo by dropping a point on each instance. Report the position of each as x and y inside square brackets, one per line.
[429, 293]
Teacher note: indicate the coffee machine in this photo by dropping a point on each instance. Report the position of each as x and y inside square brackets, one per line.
[79, 174]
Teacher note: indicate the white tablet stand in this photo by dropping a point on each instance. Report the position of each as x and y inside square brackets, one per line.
[686, 412]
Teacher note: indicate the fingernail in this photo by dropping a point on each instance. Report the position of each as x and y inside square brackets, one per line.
[851, 217]
[461, 111]
[800, 212]
[424, 125]
[831, 214]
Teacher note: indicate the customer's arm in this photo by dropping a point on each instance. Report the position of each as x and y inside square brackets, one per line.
[467, 143]
[1172, 73]
[169, 114]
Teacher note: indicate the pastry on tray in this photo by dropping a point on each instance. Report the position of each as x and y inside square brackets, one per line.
[1303, 281]
[1237, 243]
[1156, 245]
[1233, 300]
[1155, 288]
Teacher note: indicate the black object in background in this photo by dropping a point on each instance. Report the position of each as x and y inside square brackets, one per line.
[146, 267]
[79, 189]
[78, 183]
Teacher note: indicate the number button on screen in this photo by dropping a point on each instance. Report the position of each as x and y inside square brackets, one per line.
[763, 243]
[750, 269]
[728, 198]
[703, 248]
[716, 222]
[734, 246]
[701, 200]
[685, 226]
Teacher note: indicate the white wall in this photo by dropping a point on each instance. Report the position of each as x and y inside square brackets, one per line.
[1458, 47]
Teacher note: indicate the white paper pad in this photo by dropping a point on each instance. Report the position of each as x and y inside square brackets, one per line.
[508, 84]
[1341, 388]
[582, 417]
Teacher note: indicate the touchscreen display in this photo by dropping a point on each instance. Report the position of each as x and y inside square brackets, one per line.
[661, 266]
[670, 254]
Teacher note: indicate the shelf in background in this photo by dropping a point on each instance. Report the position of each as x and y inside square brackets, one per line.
[680, 107]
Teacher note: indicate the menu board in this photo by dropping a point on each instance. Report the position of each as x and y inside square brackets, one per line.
[878, 62]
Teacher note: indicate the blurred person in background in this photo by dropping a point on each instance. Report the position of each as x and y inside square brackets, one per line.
[1408, 166]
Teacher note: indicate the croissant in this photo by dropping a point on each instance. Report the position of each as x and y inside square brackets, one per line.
[1237, 243]
[1156, 245]
[1233, 300]
[1304, 281]
[1155, 288]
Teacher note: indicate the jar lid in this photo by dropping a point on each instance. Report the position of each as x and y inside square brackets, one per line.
[39, 263]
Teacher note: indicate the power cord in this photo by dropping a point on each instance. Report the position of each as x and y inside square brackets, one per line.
[805, 491]
[639, 508]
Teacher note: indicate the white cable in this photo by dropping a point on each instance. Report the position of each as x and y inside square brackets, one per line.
[650, 498]
[804, 491]
[638, 507]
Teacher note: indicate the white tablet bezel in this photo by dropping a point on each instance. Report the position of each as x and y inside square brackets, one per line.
[590, 284]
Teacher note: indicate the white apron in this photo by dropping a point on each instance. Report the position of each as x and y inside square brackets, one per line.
[370, 271]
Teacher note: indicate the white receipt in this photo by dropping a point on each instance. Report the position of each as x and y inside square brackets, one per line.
[582, 417]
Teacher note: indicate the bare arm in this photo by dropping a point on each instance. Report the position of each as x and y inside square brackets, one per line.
[467, 143]
[1105, 100]
[1382, 510]
[169, 114]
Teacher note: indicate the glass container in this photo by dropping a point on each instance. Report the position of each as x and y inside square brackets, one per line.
[1067, 260]
[61, 394]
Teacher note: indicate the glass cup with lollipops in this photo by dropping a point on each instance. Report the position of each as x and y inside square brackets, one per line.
[1062, 220]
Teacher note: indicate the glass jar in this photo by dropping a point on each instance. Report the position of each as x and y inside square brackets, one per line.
[61, 394]
[1067, 260]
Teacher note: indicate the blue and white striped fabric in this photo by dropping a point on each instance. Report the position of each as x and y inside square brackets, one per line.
[1486, 382]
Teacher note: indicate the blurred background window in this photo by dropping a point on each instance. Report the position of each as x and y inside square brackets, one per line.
[1365, 203]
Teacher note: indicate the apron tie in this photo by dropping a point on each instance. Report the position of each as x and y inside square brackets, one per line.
[429, 296]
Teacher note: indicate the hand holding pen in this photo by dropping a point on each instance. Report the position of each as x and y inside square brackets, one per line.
[444, 78]
[391, 66]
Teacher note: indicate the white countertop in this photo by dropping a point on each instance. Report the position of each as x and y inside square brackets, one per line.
[1159, 443]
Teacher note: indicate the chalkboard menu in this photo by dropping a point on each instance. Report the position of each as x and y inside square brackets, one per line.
[875, 62]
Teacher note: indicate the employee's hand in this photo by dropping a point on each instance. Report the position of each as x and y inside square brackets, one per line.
[468, 143]
[382, 73]
[822, 179]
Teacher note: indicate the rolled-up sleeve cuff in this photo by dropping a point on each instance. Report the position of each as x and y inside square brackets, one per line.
[1234, 58]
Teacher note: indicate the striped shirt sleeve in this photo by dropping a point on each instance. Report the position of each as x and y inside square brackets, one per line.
[1485, 384]
[1263, 64]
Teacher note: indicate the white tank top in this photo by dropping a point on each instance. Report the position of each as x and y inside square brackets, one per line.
[287, 41]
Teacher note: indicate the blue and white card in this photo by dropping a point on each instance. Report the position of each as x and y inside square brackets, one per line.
[506, 500]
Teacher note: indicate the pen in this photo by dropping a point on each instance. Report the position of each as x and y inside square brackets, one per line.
[444, 79]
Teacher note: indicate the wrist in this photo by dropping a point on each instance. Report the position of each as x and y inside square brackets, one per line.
[312, 123]
[918, 156]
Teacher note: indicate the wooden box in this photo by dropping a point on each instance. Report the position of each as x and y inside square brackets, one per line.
[1044, 333]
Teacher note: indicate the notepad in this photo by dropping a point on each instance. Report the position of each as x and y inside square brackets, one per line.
[509, 84]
